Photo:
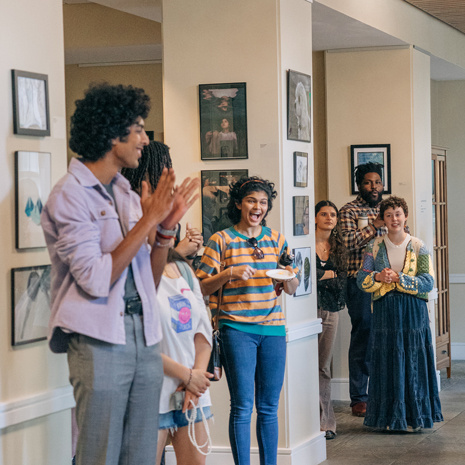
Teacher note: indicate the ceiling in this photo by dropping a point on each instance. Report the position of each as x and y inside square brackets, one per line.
[332, 30]
[451, 12]
[335, 31]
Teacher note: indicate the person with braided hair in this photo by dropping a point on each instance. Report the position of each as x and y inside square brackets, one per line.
[156, 157]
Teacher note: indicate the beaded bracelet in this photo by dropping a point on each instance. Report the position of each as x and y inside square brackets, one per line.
[190, 377]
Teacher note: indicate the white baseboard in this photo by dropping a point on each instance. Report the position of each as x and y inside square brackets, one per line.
[340, 389]
[457, 350]
[46, 403]
[311, 452]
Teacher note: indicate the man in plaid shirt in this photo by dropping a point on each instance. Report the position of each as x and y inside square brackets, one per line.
[357, 233]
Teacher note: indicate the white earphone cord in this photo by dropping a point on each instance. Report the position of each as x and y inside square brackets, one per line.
[191, 429]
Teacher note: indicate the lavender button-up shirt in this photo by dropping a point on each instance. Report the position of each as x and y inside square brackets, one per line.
[82, 228]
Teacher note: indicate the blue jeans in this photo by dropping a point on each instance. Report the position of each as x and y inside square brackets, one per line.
[359, 306]
[254, 367]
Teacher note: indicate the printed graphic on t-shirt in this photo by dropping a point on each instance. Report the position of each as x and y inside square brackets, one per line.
[180, 313]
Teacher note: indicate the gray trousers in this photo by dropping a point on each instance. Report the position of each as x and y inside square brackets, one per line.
[117, 391]
[325, 354]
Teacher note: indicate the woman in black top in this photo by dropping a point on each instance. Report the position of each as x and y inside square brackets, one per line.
[331, 264]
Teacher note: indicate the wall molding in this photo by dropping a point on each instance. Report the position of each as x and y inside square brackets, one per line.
[302, 330]
[310, 452]
[39, 405]
[457, 278]
[457, 350]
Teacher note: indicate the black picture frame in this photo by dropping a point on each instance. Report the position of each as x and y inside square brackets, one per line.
[217, 103]
[375, 153]
[300, 169]
[215, 198]
[33, 184]
[299, 109]
[303, 261]
[30, 304]
[301, 210]
[31, 111]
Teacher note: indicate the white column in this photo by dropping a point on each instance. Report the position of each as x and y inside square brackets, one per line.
[255, 42]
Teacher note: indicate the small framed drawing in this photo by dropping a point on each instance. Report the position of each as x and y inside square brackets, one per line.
[301, 215]
[31, 115]
[300, 169]
[30, 296]
[215, 198]
[303, 263]
[223, 121]
[299, 97]
[33, 184]
[376, 153]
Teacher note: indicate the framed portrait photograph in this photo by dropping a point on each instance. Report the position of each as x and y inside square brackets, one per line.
[300, 169]
[299, 110]
[31, 114]
[301, 215]
[376, 153]
[303, 263]
[223, 121]
[215, 198]
[32, 188]
[30, 296]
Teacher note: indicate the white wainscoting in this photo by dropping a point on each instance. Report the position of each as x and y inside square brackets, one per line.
[315, 448]
[457, 278]
[39, 405]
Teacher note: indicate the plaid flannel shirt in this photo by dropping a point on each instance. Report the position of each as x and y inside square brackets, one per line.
[356, 239]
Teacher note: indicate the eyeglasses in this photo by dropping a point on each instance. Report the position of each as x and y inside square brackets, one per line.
[257, 251]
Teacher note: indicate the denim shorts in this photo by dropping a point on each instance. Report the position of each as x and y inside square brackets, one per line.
[176, 419]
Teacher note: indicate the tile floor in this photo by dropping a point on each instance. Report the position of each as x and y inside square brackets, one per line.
[442, 445]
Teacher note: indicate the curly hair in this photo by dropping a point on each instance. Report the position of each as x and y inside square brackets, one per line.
[240, 189]
[155, 157]
[337, 248]
[105, 113]
[361, 170]
[392, 202]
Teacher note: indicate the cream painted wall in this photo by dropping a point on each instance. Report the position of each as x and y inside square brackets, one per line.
[30, 370]
[92, 25]
[377, 97]
[275, 36]
[149, 77]
[448, 116]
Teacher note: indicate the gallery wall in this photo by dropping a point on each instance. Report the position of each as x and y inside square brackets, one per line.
[33, 381]
[274, 37]
[379, 97]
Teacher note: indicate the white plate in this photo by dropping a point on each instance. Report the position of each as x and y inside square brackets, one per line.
[280, 275]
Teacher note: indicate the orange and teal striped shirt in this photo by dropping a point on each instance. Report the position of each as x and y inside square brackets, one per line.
[252, 305]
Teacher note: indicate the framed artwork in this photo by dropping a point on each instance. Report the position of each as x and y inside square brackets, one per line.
[301, 215]
[33, 184]
[300, 169]
[31, 115]
[215, 198]
[30, 297]
[376, 153]
[303, 263]
[223, 121]
[299, 112]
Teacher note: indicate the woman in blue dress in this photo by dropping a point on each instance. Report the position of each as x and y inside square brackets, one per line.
[397, 270]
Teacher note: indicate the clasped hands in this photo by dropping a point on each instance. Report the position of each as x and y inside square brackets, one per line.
[387, 276]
